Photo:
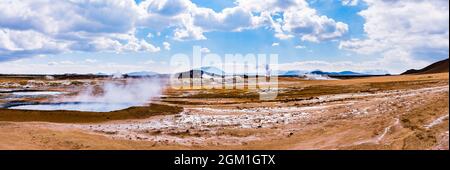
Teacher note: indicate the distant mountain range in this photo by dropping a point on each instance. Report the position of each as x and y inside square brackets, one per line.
[292, 73]
[214, 71]
[342, 73]
[438, 67]
[142, 74]
[324, 73]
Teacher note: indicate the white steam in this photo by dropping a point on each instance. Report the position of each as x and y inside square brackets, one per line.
[113, 95]
[116, 94]
[139, 91]
[317, 77]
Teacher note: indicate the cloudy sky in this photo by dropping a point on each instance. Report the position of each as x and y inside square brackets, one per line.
[91, 36]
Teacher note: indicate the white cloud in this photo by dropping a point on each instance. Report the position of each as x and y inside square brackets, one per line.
[189, 33]
[283, 36]
[312, 27]
[168, 7]
[56, 17]
[393, 24]
[135, 44]
[145, 46]
[191, 21]
[60, 63]
[166, 46]
[272, 5]
[53, 27]
[275, 44]
[205, 50]
[300, 47]
[295, 18]
[349, 2]
[230, 19]
[91, 60]
[17, 44]
[162, 14]
[407, 32]
[31, 66]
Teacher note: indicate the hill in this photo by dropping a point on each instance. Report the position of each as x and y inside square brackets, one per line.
[438, 67]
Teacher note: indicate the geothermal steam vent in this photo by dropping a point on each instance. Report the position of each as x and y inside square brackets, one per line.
[110, 96]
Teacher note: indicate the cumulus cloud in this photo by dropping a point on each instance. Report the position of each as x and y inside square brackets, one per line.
[17, 44]
[56, 17]
[191, 21]
[349, 2]
[177, 14]
[230, 19]
[290, 18]
[407, 32]
[30, 27]
[53, 27]
[275, 44]
[312, 27]
[139, 45]
[188, 32]
[166, 45]
[205, 50]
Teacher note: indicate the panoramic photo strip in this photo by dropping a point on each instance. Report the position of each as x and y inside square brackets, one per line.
[261, 75]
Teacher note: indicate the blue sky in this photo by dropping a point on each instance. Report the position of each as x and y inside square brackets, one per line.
[142, 35]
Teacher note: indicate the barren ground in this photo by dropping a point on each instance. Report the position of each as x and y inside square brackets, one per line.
[394, 112]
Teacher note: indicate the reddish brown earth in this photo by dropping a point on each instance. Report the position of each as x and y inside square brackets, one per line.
[393, 112]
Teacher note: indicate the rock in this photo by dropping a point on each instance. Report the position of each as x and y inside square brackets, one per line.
[290, 134]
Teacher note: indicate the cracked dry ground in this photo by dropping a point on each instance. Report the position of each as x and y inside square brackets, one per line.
[414, 116]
